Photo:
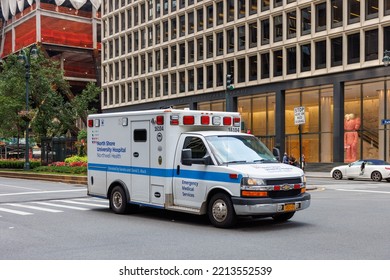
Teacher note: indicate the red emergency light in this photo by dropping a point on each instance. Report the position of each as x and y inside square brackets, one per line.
[188, 120]
[227, 121]
[90, 123]
[160, 120]
[205, 120]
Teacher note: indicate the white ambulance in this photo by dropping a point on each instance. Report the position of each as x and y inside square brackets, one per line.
[189, 161]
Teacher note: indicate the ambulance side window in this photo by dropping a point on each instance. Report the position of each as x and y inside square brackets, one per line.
[196, 145]
[140, 135]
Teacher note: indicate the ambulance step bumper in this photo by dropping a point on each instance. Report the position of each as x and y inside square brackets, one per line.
[184, 209]
[268, 206]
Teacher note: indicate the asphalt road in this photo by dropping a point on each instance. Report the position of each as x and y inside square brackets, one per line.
[45, 220]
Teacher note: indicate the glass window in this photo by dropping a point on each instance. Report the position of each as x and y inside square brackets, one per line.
[182, 81]
[136, 91]
[265, 65]
[182, 53]
[278, 3]
[264, 5]
[158, 33]
[219, 73]
[165, 7]
[129, 92]
[306, 21]
[158, 9]
[150, 63]
[173, 56]
[199, 48]
[129, 68]
[165, 85]
[241, 70]
[337, 13]
[353, 48]
[143, 63]
[320, 54]
[219, 43]
[210, 16]
[158, 60]
[278, 28]
[372, 9]
[182, 25]
[200, 19]
[173, 5]
[253, 68]
[321, 17]
[173, 83]
[278, 63]
[336, 51]
[353, 11]
[165, 58]
[220, 13]
[230, 10]
[210, 46]
[199, 77]
[230, 68]
[150, 6]
[291, 60]
[241, 37]
[173, 28]
[136, 66]
[371, 45]
[190, 74]
[191, 51]
[291, 24]
[210, 76]
[190, 23]
[241, 9]
[265, 32]
[253, 35]
[386, 4]
[252, 7]
[165, 31]
[182, 4]
[230, 40]
[386, 38]
[143, 90]
[305, 58]
[158, 85]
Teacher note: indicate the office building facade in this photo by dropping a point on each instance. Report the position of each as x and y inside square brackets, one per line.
[325, 56]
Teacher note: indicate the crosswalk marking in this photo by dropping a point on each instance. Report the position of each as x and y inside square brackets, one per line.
[62, 206]
[35, 208]
[15, 211]
[81, 203]
[77, 204]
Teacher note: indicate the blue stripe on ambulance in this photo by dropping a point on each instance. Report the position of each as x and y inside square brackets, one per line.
[160, 172]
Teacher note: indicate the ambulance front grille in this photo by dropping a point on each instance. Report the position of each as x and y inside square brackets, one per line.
[283, 181]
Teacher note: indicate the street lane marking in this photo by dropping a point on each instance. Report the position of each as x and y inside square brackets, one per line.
[62, 206]
[15, 212]
[42, 192]
[365, 191]
[35, 208]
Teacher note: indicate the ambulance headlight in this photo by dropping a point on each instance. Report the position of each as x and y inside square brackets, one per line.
[249, 182]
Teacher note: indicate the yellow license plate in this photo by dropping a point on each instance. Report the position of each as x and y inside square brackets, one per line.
[289, 207]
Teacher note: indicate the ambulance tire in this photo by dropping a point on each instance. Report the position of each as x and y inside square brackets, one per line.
[280, 218]
[221, 212]
[118, 200]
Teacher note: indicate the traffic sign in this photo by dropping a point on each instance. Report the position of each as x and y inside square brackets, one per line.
[299, 115]
[385, 121]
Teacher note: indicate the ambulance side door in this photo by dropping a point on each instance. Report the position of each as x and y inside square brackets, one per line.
[189, 184]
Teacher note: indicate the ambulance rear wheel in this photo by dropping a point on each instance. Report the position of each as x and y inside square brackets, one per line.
[118, 200]
[221, 212]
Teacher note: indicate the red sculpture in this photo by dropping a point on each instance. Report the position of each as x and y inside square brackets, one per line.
[351, 125]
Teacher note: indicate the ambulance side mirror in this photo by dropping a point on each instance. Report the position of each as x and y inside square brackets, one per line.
[276, 153]
[186, 157]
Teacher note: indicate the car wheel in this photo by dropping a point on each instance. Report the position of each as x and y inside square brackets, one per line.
[283, 217]
[220, 211]
[376, 176]
[118, 200]
[337, 175]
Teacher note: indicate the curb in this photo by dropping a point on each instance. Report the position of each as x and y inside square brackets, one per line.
[69, 179]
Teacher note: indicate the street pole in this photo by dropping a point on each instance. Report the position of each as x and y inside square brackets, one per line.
[27, 153]
[300, 145]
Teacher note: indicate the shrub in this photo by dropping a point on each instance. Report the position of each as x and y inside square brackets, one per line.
[72, 159]
[62, 169]
[17, 164]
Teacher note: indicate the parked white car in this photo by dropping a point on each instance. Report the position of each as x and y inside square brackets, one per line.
[374, 169]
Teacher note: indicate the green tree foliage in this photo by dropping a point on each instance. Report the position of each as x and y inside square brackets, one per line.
[53, 110]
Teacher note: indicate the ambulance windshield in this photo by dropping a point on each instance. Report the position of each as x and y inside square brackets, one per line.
[239, 149]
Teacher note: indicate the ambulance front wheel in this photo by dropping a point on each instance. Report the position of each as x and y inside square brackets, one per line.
[220, 211]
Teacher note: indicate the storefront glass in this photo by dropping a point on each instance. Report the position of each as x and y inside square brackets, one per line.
[366, 109]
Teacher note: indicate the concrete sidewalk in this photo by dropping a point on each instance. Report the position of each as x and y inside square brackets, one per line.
[317, 174]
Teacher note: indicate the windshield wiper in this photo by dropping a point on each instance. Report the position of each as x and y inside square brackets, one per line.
[264, 160]
[235, 161]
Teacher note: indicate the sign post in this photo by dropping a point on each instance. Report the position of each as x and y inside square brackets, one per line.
[299, 119]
